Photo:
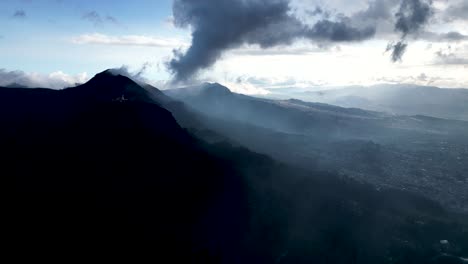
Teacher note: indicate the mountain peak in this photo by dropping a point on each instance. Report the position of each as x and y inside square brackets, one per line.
[215, 89]
[110, 86]
[109, 75]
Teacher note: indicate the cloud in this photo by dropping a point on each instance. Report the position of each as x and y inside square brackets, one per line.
[112, 19]
[245, 88]
[298, 50]
[221, 25]
[397, 49]
[267, 84]
[457, 11]
[319, 11]
[379, 13]
[55, 80]
[378, 10]
[169, 22]
[127, 40]
[421, 79]
[450, 58]
[452, 36]
[93, 17]
[137, 76]
[20, 14]
[98, 20]
[411, 17]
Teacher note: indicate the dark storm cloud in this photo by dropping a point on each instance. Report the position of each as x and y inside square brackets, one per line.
[318, 11]
[19, 14]
[378, 10]
[397, 49]
[220, 25]
[411, 17]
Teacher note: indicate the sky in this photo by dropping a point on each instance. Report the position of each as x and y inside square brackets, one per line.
[249, 45]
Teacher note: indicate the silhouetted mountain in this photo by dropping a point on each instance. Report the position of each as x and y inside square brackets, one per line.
[104, 171]
[205, 89]
[102, 165]
[420, 153]
[302, 117]
[15, 85]
[397, 99]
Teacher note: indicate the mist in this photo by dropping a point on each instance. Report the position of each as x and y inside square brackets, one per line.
[317, 135]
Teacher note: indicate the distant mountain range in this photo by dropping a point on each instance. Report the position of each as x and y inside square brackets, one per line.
[115, 170]
[373, 147]
[395, 99]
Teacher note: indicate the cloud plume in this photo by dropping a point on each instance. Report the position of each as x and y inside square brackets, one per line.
[397, 49]
[221, 25]
[137, 76]
[411, 17]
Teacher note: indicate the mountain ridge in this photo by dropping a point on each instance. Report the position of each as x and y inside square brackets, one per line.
[396, 99]
[374, 147]
[123, 180]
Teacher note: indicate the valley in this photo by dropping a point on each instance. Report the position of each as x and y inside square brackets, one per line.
[417, 153]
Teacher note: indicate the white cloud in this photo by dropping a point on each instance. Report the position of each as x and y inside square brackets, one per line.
[245, 88]
[363, 64]
[55, 80]
[449, 58]
[128, 40]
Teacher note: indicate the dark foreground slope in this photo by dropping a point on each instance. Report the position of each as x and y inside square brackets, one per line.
[102, 171]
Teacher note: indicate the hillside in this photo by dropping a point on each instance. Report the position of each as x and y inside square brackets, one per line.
[419, 153]
[104, 171]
